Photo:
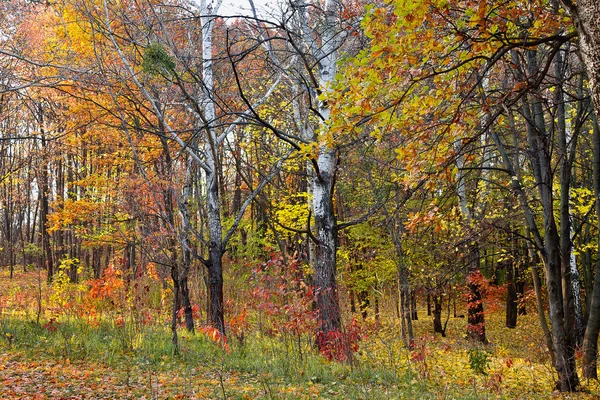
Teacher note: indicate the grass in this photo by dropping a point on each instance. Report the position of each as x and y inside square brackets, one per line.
[70, 357]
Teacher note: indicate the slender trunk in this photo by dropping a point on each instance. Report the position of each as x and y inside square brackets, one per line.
[44, 211]
[437, 315]
[588, 268]
[363, 303]
[175, 310]
[511, 299]
[537, 286]
[414, 313]
[567, 144]
[215, 262]
[520, 286]
[215, 266]
[428, 304]
[325, 284]
[590, 339]
[406, 314]
[403, 286]
[187, 256]
[377, 314]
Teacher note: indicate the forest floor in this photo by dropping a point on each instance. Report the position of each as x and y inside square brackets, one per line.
[65, 356]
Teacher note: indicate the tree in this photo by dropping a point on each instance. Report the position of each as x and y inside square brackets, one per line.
[312, 42]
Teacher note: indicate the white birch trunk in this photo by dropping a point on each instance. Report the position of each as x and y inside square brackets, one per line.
[323, 181]
[215, 266]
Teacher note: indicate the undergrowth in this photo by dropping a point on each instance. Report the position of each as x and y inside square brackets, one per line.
[121, 350]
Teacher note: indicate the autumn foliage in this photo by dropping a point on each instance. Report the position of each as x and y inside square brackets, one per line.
[338, 199]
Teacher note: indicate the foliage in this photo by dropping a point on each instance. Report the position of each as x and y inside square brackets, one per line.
[282, 298]
[133, 137]
[340, 345]
[479, 360]
[156, 60]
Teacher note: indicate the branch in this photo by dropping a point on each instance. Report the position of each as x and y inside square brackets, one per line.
[256, 115]
[306, 231]
[256, 191]
[147, 95]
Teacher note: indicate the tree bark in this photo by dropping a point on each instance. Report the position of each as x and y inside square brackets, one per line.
[511, 299]
[215, 262]
[590, 338]
[326, 233]
[327, 298]
[216, 250]
[44, 189]
[437, 315]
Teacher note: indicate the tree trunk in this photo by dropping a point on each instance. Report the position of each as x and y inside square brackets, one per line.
[326, 233]
[363, 303]
[428, 304]
[566, 147]
[437, 315]
[520, 287]
[403, 286]
[325, 284]
[215, 262]
[187, 256]
[414, 313]
[44, 211]
[175, 310]
[405, 305]
[511, 299]
[590, 338]
[475, 314]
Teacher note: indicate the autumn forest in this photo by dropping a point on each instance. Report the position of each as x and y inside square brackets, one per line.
[339, 199]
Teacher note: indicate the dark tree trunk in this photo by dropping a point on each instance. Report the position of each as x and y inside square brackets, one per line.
[437, 315]
[403, 286]
[405, 306]
[511, 288]
[175, 310]
[511, 305]
[215, 261]
[590, 339]
[475, 314]
[186, 304]
[413, 306]
[44, 211]
[215, 289]
[428, 304]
